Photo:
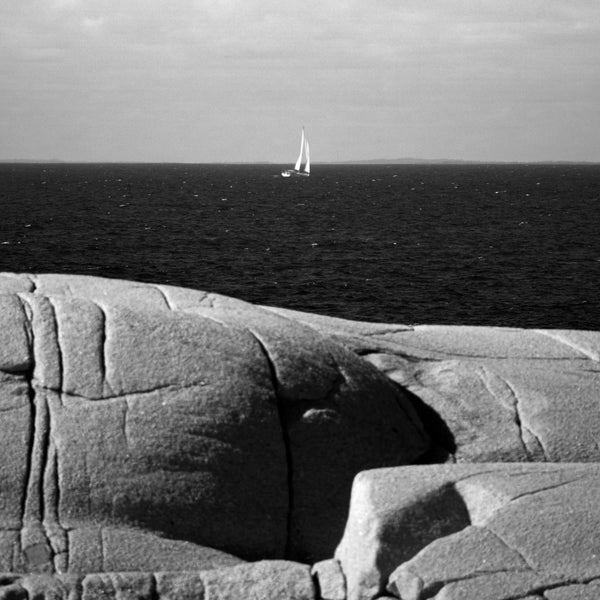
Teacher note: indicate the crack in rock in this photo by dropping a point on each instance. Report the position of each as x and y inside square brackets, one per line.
[282, 415]
[34, 539]
[167, 386]
[510, 398]
[546, 488]
[558, 337]
[164, 296]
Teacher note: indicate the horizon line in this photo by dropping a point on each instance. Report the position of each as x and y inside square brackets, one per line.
[367, 161]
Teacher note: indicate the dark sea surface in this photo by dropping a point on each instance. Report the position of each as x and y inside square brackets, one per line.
[510, 245]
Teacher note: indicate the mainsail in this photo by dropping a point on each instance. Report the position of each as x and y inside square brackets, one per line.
[299, 161]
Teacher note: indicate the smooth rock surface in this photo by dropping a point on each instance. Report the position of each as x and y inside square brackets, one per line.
[471, 531]
[192, 417]
[490, 393]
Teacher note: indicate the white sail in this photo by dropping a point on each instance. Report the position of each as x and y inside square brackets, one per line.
[307, 154]
[299, 161]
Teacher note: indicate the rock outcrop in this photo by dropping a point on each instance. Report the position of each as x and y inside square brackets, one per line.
[489, 393]
[487, 530]
[155, 439]
[199, 418]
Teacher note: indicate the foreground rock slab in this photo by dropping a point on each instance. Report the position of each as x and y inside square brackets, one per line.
[134, 415]
[498, 531]
[153, 439]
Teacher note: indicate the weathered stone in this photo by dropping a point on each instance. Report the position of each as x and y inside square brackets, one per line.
[589, 591]
[190, 444]
[99, 549]
[489, 393]
[179, 585]
[11, 588]
[330, 580]
[13, 283]
[40, 587]
[118, 586]
[17, 424]
[465, 532]
[274, 579]
[143, 424]
[204, 421]
[15, 352]
[389, 521]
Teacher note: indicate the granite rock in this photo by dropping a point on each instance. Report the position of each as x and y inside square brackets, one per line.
[330, 579]
[156, 438]
[488, 393]
[273, 580]
[136, 415]
[464, 532]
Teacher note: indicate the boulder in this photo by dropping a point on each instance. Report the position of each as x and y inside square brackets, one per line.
[137, 416]
[464, 532]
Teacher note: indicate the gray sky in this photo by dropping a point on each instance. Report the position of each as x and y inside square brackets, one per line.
[225, 80]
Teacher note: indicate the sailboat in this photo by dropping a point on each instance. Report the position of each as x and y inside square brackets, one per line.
[296, 171]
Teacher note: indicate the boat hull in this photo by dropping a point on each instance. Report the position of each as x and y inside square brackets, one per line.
[293, 173]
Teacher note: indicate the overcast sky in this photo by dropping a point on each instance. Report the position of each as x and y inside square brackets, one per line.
[225, 80]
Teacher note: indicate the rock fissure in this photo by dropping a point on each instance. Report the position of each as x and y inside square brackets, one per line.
[545, 489]
[153, 587]
[163, 296]
[35, 542]
[542, 589]
[424, 353]
[430, 591]
[283, 422]
[59, 352]
[125, 424]
[33, 282]
[589, 354]
[29, 466]
[538, 442]
[56, 533]
[102, 349]
[124, 395]
[516, 405]
[389, 331]
[366, 353]
[515, 550]
[472, 476]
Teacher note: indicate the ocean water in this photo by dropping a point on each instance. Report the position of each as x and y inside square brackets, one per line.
[508, 245]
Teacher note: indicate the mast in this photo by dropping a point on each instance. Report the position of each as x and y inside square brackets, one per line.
[307, 154]
[299, 161]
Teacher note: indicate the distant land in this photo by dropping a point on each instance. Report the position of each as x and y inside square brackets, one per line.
[373, 161]
[454, 161]
[31, 161]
